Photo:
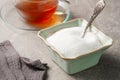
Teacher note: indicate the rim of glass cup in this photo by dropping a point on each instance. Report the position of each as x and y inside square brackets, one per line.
[35, 1]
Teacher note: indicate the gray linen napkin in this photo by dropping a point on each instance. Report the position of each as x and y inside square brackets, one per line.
[14, 67]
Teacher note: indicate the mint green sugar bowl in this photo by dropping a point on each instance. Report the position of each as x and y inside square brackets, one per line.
[81, 62]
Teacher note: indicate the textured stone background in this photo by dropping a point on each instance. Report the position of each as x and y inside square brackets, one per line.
[29, 45]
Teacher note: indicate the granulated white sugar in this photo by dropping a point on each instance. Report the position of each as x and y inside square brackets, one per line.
[70, 44]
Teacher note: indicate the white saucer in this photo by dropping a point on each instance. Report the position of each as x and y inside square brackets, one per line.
[10, 16]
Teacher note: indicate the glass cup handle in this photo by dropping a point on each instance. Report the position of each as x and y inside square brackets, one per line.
[65, 4]
[66, 1]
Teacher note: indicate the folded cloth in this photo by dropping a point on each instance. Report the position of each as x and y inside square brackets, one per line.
[14, 67]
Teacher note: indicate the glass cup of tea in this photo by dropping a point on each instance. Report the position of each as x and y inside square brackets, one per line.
[37, 11]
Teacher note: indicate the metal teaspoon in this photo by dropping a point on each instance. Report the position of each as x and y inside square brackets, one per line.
[99, 7]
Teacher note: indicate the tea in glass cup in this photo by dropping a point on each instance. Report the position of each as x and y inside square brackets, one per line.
[37, 12]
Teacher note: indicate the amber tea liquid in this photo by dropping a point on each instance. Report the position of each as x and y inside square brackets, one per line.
[39, 13]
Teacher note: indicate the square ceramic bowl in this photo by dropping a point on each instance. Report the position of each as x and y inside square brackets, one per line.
[81, 62]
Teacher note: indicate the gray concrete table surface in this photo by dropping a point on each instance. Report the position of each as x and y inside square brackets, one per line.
[29, 45]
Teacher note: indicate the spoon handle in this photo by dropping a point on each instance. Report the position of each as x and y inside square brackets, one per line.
[99, 7]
